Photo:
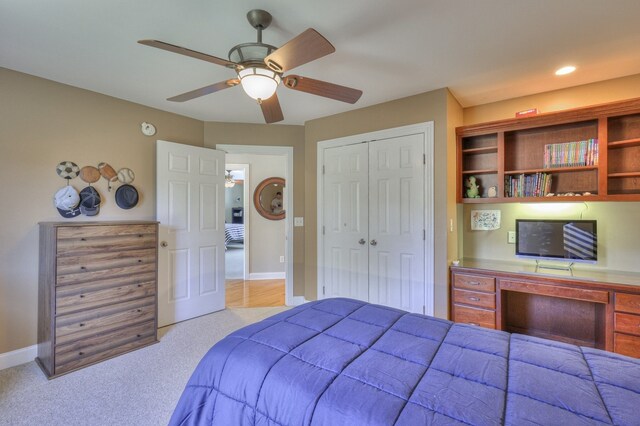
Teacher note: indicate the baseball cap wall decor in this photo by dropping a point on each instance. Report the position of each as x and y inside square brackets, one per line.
[89, 201]
[67, 170]
[126, 196]
[89, 174]
[108, 173]
[126, 175]
[67, 201]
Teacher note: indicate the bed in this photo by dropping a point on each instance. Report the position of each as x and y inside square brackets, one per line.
[346, 362]
[233, 233]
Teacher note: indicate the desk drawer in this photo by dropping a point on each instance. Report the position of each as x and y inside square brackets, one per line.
[473, 316]
[474, 298]
[626, 345]
[474, 282]
[627, 323]
[628, 303]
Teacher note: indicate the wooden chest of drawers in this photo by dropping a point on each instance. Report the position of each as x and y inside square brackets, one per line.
[97, 294]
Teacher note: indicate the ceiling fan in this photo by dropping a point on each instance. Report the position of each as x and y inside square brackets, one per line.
[260, 68]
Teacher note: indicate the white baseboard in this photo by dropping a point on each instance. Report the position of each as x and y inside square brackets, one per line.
[17, 357]
[296, 300]
[267, 276]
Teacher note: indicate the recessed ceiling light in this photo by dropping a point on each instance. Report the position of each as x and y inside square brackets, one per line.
[565, 70]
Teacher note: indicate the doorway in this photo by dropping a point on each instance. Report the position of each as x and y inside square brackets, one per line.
[267, 279]
[236, 199]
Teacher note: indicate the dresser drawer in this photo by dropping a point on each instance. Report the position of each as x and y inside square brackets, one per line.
[474, 282]
[92, 276]
[627, 323]
[101, 320]
[481, 317]
[474, 298]
[81, 246]
[81, 297]
[628, 302]
[96, 348]
[626, 345]
[91, 231]
[112, 259]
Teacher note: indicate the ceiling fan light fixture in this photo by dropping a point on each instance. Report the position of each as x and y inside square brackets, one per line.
[259, 83]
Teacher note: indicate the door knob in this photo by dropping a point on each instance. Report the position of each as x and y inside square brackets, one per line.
[373, 242]
[362, 242]
[163, 244]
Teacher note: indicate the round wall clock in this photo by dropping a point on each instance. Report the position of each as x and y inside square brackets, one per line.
[148, 129]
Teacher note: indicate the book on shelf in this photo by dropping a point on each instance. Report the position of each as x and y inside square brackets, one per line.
[571, 154]
[532, 185]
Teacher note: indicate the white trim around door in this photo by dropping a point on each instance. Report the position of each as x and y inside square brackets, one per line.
[427, 129]
[287, 152]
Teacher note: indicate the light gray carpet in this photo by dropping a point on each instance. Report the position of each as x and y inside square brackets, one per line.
[138, 388]
[234, 262]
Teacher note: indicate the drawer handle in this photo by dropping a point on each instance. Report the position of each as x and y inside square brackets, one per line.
[474, 283]
[475, 299]
[139, 310]
[83, 267]
[474, 323]
[82, 296]
[139, 260]
[138, 335]
[81, 324]
[80, 353]
[139, 235]
[139, 285]
[83, 239]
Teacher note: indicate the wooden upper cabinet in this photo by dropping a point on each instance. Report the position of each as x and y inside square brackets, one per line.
[583, 154]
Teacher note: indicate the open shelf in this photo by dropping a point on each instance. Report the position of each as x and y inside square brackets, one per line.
[607, 135]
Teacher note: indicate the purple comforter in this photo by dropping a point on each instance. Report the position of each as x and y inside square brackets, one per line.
[346, 362]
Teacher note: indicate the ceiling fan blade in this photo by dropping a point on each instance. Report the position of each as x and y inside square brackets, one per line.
[271, 109]
[306, 47]
[205, 90]
[188, 52]
[322, 88]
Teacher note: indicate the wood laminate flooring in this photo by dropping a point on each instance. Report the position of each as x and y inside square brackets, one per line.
[255, 293]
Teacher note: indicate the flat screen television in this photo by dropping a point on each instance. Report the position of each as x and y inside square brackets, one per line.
[566, 240]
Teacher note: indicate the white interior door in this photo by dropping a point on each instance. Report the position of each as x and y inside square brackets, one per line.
[190, 209]
[346, 222]
[396, 222]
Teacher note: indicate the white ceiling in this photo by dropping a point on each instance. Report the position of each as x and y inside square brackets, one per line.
[483, 50]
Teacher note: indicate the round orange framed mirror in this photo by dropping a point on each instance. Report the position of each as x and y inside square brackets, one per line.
[268, 198]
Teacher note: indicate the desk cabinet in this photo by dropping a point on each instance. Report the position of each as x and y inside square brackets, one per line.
[97, 292]
[595, 313]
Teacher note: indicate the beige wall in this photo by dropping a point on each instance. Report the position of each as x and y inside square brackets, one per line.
[618, 233]
[272, 135]
[431, 106]
[267, 242]
[41, 124]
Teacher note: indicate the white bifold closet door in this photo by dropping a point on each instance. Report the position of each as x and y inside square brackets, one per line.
[374, 247]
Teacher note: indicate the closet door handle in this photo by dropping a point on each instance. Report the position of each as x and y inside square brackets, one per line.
[362, 242]
[373, 242]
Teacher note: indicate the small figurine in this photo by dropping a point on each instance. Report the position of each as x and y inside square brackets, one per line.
[472, 188]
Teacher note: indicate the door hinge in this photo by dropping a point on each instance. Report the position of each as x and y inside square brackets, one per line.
[322, 229]
[323, 290]
[424, 235]
[424, 158]
[424, 310]
[323, 169]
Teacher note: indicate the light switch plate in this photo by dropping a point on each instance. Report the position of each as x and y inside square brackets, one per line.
[511, 237]
[298, 221]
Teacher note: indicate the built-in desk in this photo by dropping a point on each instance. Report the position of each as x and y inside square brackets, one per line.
[599, 309]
